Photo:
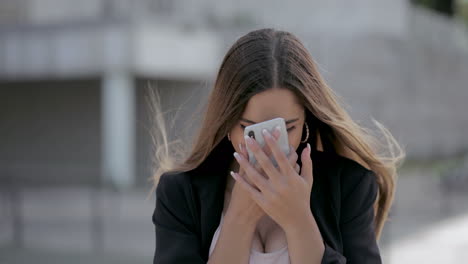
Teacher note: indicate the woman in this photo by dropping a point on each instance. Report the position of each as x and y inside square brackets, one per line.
[326, 202]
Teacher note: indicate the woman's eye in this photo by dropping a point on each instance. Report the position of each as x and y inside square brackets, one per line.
[289, 129]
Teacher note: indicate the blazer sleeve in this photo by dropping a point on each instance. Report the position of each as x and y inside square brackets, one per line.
[357, 222]
[176, 238]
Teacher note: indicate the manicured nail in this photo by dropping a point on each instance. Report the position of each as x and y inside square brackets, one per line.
[266, 133]
[237, 156]
[233, 175]
[248, 140]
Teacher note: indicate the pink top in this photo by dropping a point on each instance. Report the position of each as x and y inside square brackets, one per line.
[280, 256]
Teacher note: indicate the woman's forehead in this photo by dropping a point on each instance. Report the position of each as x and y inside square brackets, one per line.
[273, 103]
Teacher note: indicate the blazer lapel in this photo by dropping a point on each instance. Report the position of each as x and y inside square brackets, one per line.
[209, 180]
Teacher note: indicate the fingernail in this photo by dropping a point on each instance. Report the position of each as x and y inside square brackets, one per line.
[237, 156]
[233, 175]
[248, 140]
[240, 147]
[266, 133]
[308, 147]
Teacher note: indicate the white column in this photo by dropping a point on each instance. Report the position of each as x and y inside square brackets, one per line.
[118, 129]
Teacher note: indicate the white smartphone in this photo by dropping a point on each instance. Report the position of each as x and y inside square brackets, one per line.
[255, 131]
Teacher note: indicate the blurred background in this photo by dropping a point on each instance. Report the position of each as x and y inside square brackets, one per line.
[75, 124]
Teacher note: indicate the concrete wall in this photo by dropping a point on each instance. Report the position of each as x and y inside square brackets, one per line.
[50, 131]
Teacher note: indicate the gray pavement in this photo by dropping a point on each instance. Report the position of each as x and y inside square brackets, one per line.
[59, 223]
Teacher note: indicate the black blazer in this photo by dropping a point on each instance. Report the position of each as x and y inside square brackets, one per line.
[189, 205]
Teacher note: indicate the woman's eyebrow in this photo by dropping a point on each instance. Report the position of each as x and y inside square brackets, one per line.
[287, 121]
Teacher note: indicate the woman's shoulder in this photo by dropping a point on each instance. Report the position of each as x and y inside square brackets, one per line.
[174, 176]
[172, 183]
[188, 182]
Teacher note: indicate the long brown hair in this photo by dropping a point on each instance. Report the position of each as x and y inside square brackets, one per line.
[264, 59]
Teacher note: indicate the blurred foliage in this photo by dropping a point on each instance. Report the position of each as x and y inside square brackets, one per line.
[440, 166]
[442, 6]
[450, 8]
[462, 9]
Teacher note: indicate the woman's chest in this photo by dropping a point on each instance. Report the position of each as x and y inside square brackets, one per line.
[268, 236]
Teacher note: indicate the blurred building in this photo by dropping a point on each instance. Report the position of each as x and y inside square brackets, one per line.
[73, 84]
[70, 74]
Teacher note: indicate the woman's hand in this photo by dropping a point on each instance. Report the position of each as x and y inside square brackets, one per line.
[285, 194]
[241, 204]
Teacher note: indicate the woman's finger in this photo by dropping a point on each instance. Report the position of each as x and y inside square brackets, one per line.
[297, 168]
[280, 157]
[307, 165]
[263, 159]
[256, 194]
[245, 155]
[256, 178]
[292, 156]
